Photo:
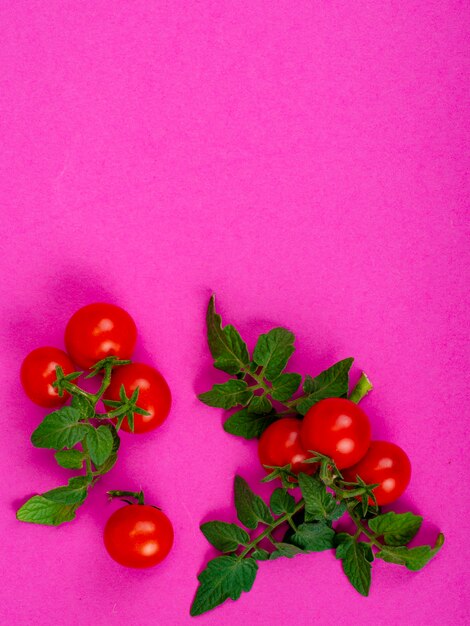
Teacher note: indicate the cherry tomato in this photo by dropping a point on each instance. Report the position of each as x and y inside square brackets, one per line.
[138, 535]
[154, 394]
[38, 373]
[337, 428]
[99, 330]
[384, 463]
[280, 444]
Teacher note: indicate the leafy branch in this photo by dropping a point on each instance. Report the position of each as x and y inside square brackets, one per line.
[306, 526]
[260, 387]
[83, 439]
[263, 392]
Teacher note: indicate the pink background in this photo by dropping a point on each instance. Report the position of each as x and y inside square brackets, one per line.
[307, 162]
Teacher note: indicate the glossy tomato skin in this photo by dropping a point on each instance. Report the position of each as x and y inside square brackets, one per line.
[384, 463]
[138, 535]
[280, 444]
[154, 394]
[99, 330]
[337, 428]
[38, 373]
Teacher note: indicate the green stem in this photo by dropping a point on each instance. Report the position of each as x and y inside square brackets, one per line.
[89, 468]
[280, 520]
[361, 389]
[361, 529]
[75, 390]
[137, 495]
[104, 383]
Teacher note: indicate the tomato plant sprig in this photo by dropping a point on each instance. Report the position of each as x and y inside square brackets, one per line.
[307, 526]
[82, 437]
[264, 393]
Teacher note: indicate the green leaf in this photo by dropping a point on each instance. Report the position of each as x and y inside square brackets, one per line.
[260, 554]
[319, 503]
[74, 493]
[356, 557]
[83, 405]
[332, 383]
[41, 510]
[285, 385]
[99, 442]
[286, 549]
[224, 577]
[281, 502]
[314, 537]
[112, 458]
[227, 395]
[260, 405]
[250, 508]
[248, 425]
[397, 529]
[413, 559]
[60, 429]
[225, 537]
[70, 459]
[273, 350]
[227, 347]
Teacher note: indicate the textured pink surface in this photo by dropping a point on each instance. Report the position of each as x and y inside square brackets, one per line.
[307, 162]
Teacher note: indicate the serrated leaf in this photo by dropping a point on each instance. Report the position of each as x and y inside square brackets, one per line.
[413, 559]
[225, 537]
[70, 459]
[273, 350]
[287, 550]
[397, 529]
[74, 493]
[281, 502]
[227, 395]
[224, 577]
[260, 555]
[226, 345]
[84, 406]
[99, 442]
[356, 557]
[40, 510]
[285, 385]
[332, 383]
[319, 503]
[251, 509]
[248, 425]
[314, 537]
[60, 429]
[260, 405]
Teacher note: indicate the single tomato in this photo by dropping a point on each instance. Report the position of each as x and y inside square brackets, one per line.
[138, 535]
[280, 445]
[384, 463]
[154, 394]
[99, 330]
[38, 373]
[337, 428]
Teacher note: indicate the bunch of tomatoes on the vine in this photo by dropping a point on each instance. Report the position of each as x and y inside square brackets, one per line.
[100, 338]
[339, 429]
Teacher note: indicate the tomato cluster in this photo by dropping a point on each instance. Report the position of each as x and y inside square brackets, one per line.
[137, 535]
[94, 332]
[338, 428]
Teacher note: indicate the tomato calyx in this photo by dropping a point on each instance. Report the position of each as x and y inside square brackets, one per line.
[124, 495]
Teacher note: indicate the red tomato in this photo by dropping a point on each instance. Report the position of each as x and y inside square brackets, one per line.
[280, 444]
[154, 394]
[384, 463]
[99, 330]
[38, 373]
[138, 535]
[337, 428]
